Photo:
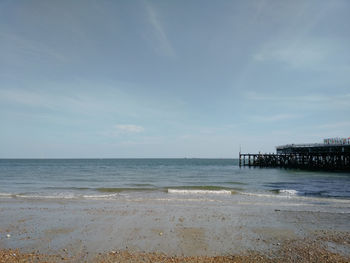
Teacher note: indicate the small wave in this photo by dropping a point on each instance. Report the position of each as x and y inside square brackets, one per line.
[68, 188]
[288, 191]
[108, 196]
[66, 196]
[200, 187]
[7, 195]
[285, 192]
[38, 196]
[262, 195]
[276, 194]
[196, 199]
[196, 191]
[119, 189]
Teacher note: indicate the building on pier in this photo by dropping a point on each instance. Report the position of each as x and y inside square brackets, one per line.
[312, 148]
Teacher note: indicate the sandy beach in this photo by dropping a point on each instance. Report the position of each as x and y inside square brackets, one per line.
[183, 228]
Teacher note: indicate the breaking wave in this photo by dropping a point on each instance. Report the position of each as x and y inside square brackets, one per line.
[201, 192]
[288, 191]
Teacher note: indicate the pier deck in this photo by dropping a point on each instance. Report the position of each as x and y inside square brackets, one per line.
[302, 156]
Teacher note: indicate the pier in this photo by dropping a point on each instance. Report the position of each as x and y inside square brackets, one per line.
[331, 155]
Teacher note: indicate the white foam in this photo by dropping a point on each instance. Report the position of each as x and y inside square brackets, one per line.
[270, 195]
[288, 191]
[7, 195]
[58, 196]
[201, 192]
[186, 200]
[263, 195]
[68, 196]
[284, 193]
[108, 196]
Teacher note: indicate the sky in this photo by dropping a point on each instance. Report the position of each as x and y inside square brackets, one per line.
[185, 78]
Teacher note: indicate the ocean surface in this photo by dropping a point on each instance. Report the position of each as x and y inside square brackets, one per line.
[113, 178]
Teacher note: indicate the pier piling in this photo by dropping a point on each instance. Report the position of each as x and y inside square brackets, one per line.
[331, 161]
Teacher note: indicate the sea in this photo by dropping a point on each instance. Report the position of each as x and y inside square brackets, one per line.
[117, 178]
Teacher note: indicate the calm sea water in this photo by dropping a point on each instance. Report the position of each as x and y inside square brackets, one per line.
[75, 178]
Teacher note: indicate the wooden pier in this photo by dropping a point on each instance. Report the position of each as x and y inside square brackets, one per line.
[315, 161]
[302, 156]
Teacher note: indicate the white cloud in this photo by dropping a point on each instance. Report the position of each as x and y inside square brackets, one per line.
[129, 128]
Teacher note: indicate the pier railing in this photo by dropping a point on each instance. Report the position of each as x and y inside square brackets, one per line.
[306, 145]
[301, 145]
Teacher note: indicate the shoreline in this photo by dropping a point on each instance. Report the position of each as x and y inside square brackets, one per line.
[201, 228]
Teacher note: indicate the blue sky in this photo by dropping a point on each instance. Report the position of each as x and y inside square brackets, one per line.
[115, 79]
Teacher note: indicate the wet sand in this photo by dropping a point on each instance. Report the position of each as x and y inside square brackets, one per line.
[237, 228]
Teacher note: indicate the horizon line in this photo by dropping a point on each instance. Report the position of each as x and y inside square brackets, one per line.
[110, 158]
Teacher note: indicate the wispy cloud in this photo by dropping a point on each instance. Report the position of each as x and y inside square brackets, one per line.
[309, 53]
[297, 45]
[163, 45]
[339, 101]
[336, 125]
[49, 101]
[129, 128]
[70, 103]
[17, 49]
[275, 117]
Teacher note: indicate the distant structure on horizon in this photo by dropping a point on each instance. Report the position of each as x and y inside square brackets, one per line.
[332, 154]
